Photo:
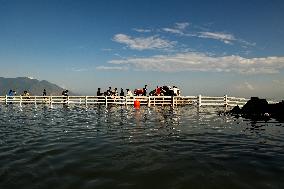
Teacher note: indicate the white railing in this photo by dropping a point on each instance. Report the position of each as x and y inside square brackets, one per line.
[126, 100]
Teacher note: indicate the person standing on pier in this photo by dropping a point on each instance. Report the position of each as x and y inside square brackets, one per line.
[121, 92]
[10, 95]
[65, 94]
[145, 91]
[158, 91]
[99, 92]
[44, 92]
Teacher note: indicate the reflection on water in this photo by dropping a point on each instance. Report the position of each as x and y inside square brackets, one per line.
[121, 147]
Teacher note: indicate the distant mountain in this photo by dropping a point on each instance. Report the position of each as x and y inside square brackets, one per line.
[33, 86]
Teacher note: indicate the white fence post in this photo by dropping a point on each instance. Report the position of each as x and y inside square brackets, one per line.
[106, 100]
[226, 100]
[149, 101]
[6, 99]
[86, 101]
[199, 100]
[68, 100]
[50, 101]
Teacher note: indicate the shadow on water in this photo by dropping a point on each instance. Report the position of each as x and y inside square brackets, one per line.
[123, 147]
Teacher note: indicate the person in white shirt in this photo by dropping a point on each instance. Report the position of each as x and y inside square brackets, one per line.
[128, 92]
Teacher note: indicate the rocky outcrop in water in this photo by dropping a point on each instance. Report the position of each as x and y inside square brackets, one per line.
[257, 108]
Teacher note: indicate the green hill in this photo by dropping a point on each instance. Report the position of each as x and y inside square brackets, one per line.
[33, 86]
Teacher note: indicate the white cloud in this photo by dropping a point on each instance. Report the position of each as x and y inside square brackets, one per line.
[194, 61]
[246, 86]
[143, 43]
[79, 69]
[112, 68]
[142, 30]
[172, 30]
[249, 86]
[182, 25]
[106, 49]
[177, 29]
[279, 83]
[224, 37]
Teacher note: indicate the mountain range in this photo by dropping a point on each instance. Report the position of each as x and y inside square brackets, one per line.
[33, 86]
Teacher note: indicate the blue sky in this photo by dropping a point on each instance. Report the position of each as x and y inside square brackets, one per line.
[204, 47]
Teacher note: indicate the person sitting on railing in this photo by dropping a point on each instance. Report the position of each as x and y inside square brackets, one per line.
[115, 92]
[109, 92]
[26, 93]
[65, 93]
[10, 93]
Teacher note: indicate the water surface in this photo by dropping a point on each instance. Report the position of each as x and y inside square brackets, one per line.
[119, 147]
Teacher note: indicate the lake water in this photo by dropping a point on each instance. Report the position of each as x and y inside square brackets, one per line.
[155, 147]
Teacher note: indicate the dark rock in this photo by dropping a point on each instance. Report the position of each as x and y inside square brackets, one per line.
[259, 109]
[255, 106]
[236, 110]
[277, 110]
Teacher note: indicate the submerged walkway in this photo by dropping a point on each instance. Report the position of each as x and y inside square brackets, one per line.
[125, 100]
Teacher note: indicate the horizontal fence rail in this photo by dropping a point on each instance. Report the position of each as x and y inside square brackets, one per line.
[126, 100]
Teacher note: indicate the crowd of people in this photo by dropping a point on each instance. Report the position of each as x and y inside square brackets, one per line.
[26, 93]
[114, 92]
[159, 91]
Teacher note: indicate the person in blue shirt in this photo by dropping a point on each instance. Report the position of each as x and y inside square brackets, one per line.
[11, 93]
